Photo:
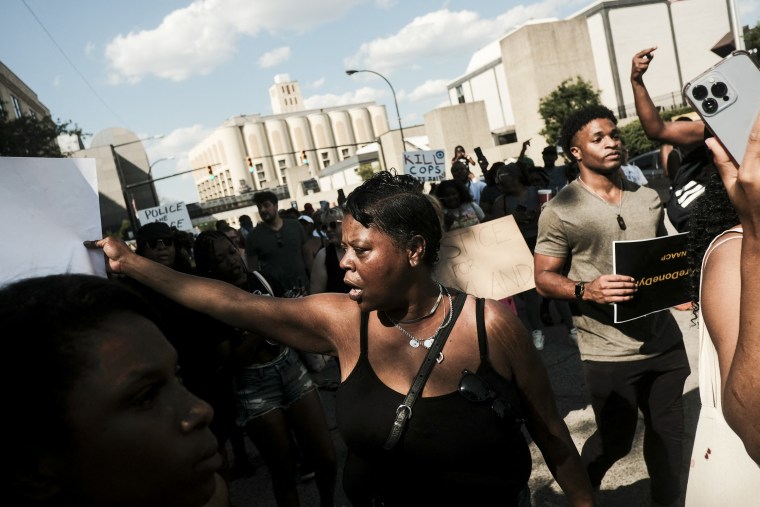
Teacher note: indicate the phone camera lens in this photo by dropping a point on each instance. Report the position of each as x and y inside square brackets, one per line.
[710, 105]
[719, 89]
[699, 92]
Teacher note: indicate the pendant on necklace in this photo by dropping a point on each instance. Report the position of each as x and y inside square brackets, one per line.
[621, 223]
[415, 343]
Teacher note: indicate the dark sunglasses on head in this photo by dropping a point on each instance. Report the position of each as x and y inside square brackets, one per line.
[331, 225]
[153, 243]
[475, 389]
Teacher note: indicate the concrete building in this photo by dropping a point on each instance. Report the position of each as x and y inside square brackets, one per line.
[297, 153]
[123, 184]
[17, 99]
[597, 44]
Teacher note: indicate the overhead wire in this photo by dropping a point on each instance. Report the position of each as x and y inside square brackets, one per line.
[73, 66]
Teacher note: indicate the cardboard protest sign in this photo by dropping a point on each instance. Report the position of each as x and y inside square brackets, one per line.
[50, 206]
[173, 215]
[425, 165]
[488, 260]
[660, 268]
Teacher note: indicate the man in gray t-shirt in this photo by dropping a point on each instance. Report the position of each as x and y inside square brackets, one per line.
[637, 364]
[276, 245]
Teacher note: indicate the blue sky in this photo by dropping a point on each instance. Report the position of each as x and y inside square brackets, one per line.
[179, 68]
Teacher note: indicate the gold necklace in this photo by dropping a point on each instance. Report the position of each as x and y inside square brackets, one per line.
[620, 221]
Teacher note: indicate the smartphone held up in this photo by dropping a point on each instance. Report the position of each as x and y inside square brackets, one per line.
[727, 98]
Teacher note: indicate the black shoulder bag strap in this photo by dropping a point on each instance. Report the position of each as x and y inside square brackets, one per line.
[404, 411]
[480, 304]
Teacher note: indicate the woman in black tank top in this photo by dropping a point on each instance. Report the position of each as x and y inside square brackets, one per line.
[451, 450]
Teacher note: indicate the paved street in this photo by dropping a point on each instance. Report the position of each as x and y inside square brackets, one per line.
[626, 484]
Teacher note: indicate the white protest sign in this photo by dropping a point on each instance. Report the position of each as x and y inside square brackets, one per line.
[173, 215]
[425, 165]
[49, 207]
[489, 260]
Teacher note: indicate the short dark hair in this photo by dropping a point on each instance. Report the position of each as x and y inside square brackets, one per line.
[579, 119]
[459, 166]
[395, 205]
[47, 340]
[260, 198]
[205, 253]
[462, 190]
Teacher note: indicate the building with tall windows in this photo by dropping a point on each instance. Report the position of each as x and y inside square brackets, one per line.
[597, 43]
[17, 99]
[295, 152]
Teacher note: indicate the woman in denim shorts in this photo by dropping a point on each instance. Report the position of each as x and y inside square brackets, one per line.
[277, 399]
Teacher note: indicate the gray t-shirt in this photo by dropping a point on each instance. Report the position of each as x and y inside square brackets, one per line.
[280, 252]
[579, 226]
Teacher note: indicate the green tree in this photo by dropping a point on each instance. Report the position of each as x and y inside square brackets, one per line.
[633, 133]
[752, 41]
[32, 137]
[365, 171]
[567, 98]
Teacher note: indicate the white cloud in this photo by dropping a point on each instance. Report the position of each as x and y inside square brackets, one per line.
[196, 39]
[319, 83]
[274, 57]
[439, 34]
[430, 89]
[365, 94]
[89, 48]
[386, 4]
[177, 143]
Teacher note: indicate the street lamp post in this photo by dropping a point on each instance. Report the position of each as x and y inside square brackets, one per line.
[150, 178]
[122, 182]
[398, 115]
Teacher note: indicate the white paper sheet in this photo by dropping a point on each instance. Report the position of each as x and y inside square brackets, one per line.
[49, 206]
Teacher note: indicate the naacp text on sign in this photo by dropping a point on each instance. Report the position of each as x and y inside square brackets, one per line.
[174, 215]
[425, 165]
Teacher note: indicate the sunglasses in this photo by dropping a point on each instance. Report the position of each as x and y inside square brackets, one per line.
[153, 243]
[477, 390]
[331, 225]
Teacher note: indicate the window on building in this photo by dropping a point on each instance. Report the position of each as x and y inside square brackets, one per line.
[33, 114]
[16, 106]
[281, 164]
[460, 95]
[259, 168]
[344, 153]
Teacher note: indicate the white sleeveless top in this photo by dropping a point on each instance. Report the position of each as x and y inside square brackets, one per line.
[720, 471]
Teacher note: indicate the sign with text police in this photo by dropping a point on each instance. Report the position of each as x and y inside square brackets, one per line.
[425, 165]
[660, 268]
[174, 215]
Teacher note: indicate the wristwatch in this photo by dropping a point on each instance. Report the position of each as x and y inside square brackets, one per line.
[580, 288]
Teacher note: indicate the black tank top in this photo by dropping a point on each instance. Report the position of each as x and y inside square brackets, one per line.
[453, 452]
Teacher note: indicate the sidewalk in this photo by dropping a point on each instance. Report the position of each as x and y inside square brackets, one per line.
[625, 484]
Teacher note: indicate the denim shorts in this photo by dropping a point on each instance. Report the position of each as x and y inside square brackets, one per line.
[275, 385]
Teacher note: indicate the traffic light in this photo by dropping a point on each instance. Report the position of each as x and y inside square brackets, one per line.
[250, 164]
[210, 174]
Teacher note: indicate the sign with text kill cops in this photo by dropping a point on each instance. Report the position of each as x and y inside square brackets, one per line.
[425, 165]
[174, 215]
